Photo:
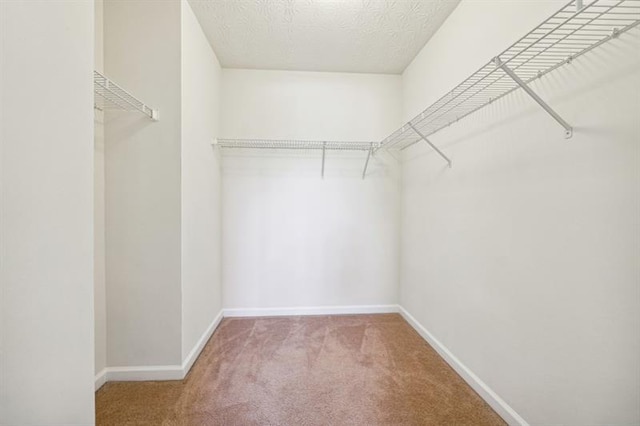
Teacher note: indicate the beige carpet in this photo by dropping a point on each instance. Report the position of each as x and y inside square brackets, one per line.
[324, 370]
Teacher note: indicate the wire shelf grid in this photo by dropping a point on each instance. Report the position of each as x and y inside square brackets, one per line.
[295, 145]
[110, 96]
[305, 145]
[572, 31]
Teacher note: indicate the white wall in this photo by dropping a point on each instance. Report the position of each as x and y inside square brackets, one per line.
[523, 258]
[46, 208]
[201, 184]
[291, 239]
[99, 276]
[142, 174]
[309, 105]
[163, 189]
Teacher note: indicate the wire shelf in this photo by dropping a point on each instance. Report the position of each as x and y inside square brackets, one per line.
[110, 96]
[295, 144]
[322, 146]
[572, 31]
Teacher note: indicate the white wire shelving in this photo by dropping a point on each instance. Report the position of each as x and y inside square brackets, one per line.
[110, 96]
[572, 31]
[306, 145]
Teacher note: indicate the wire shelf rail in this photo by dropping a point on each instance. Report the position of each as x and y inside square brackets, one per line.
[569, 33]
[295, 144]
[110, 96]
[306, 145]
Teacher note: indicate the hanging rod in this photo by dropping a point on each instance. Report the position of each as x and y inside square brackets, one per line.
[570, 32]
[110, 96]
[291, 144]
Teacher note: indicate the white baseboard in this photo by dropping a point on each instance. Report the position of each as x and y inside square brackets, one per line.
[144, 373]
[311, 310]
[178, 372]
[195, 352]
[100, 378]
[498, 404]
[158, 372]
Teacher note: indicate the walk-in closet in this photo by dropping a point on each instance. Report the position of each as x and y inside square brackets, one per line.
[320, 212]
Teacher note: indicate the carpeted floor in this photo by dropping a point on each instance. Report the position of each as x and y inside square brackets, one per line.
[324, 370]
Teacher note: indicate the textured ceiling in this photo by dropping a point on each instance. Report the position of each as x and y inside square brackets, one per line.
[370, 36]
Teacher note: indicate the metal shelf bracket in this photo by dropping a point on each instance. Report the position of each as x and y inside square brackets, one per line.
[324, 150]
[366, 163]
[431, 144]
[568, 130]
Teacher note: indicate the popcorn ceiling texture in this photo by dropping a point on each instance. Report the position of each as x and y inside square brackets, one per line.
[368, 36]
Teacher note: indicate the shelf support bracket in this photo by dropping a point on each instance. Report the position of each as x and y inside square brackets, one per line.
[430, 144]
[324, 148]
[366, 163]
[568, 130]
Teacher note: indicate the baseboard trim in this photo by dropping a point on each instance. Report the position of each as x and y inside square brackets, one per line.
[311, 310]
[498, 404]
[158, 372]
[195, 352]
[100, 378]
[144, 373]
